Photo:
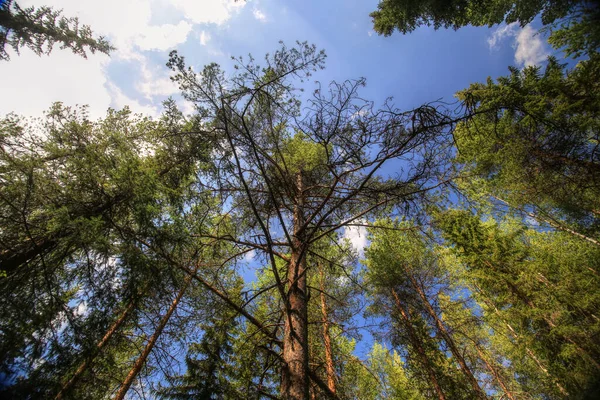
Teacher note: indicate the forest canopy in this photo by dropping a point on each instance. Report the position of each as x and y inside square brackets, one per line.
[125, 240]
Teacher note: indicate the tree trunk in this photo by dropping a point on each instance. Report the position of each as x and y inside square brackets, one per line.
[139, 363]
[86, 363]
[552, 222]
[417, 345]
[329, 367]
[525, 299]
[448, 339]
[11, 260]
[497, 377]
[294, 377]
[516, 337]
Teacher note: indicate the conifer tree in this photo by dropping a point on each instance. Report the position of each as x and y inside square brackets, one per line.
[533, 287]
[295, 178]
[41, 28]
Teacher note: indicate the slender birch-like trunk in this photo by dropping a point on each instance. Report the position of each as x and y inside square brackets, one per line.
[448, 339]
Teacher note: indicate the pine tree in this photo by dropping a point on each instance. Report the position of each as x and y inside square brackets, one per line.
[294, 180]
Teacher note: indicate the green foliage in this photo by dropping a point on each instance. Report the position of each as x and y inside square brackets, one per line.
[538, 292]
[407, 15]
[299, 154]
[401, 268]
[77, 198]
[41, 28]
[533, 141]
[102, 217]
[209, 373]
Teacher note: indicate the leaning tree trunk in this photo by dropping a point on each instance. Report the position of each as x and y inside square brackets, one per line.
[516, 336]
[294, 376]
[139, 363]
[68, 385]
[495, 373]
[416, 343]
[441, 328]
[329, 365]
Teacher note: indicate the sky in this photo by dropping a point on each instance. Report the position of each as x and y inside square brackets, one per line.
[420, 67]
[423, 66]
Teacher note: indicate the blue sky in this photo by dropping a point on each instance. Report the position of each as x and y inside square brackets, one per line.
[423, 66]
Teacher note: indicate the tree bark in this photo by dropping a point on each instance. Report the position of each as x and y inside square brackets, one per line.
[11, 260]
[294, 377]
[68, 385]
[139, 363]
[448, 339]
[329, 367]
[417, 345]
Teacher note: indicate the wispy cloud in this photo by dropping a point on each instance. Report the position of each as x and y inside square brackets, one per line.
[208, 11]
[530, 48]
[249, 256]
[259, 15]
[501, 33]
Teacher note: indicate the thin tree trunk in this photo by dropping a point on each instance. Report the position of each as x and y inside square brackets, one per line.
[329, 367]
[552, 222]
[86, 363]
[525, 299]
[11, 261]
[137, 366]
[417, 344]
[584, 165]
[448, 339]
[527, 349]
[294, 377]
[497, 377]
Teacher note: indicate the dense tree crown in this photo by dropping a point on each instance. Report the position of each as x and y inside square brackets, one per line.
[124, 241]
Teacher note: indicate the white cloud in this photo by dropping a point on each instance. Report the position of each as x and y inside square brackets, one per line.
[120, 100]
[125, 23]
[208, 11]
[187, 107]
[259, 15]
[531, 50]
[529, 47]
[249, 256]
[30, 83]
[154, 81]
[163, 37]
[81, 309]
[357, 236]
